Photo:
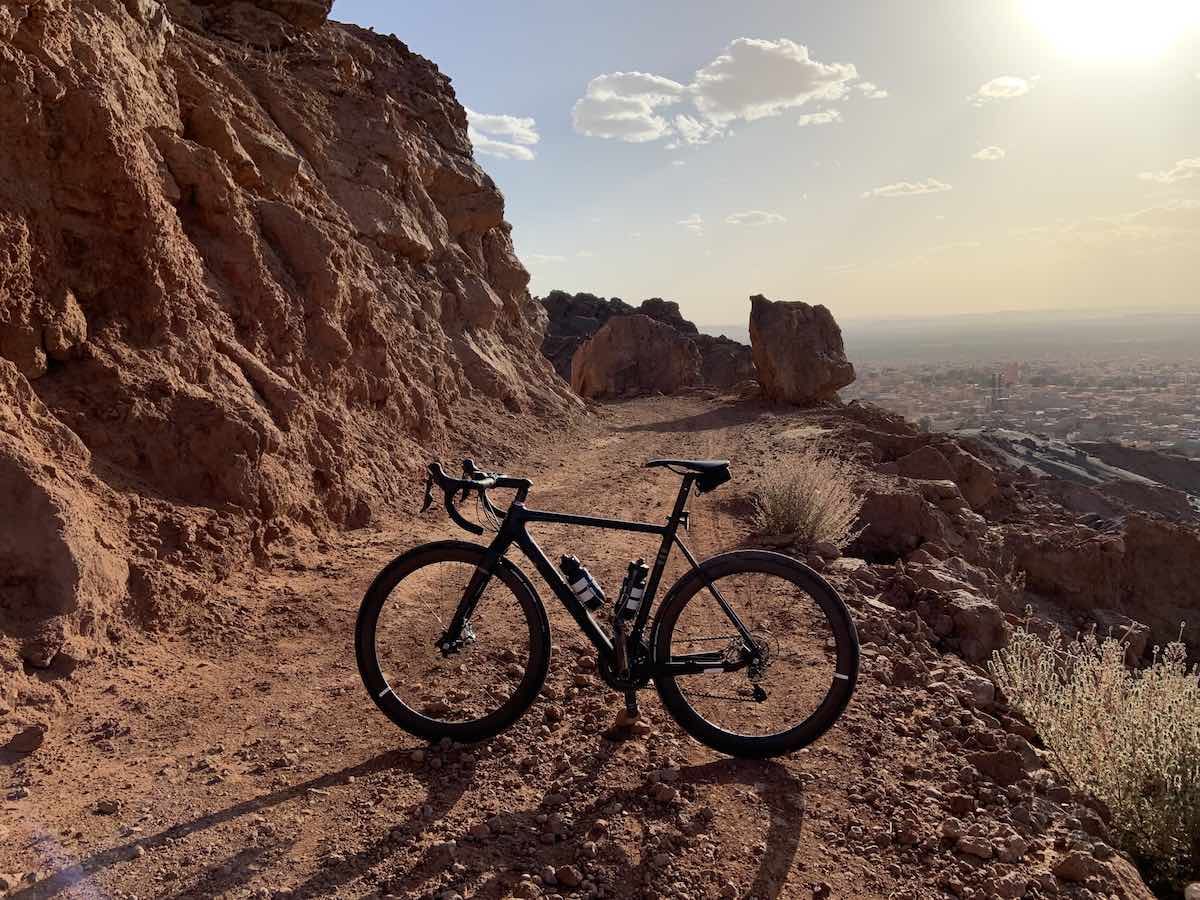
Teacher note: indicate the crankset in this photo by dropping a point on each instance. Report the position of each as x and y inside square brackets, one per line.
[619, 682]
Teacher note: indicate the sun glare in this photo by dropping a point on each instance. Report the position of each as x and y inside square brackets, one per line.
[1129, 29]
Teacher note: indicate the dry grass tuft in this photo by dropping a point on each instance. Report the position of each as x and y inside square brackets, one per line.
[1130, 738]
[809, 495]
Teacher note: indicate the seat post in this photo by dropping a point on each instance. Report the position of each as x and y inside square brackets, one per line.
[681, 501]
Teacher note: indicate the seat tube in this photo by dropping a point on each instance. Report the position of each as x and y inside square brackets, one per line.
[660, 561]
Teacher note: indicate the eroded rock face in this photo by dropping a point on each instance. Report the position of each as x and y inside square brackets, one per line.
[634, 355]
[248, 270]
[798, 351]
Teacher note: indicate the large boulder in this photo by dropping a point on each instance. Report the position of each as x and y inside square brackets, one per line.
[634, 355]
[573, 318]
[798, 351]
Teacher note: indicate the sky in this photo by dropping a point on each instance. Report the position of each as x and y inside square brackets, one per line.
[889, 158]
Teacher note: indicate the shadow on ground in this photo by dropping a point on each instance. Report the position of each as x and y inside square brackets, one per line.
[69, 876]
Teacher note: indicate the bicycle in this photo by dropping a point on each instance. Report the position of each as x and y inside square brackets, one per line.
[472, 647]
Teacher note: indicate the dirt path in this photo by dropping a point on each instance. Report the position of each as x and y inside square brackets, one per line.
[253, 764]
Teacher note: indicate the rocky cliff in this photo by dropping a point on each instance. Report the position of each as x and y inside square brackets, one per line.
[249, 270]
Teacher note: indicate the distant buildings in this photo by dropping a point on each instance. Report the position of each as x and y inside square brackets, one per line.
[1137, 400]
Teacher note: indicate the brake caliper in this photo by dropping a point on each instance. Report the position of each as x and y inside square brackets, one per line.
[449, 646]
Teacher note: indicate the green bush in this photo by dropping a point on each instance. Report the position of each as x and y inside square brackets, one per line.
[1129, 738]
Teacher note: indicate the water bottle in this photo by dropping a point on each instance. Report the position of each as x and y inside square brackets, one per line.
[629, 601]
[633, 589]
[581, 582]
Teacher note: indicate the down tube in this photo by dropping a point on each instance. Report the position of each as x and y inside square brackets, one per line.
[578, 611]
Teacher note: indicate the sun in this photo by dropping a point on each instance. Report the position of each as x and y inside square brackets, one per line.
[1122, 29]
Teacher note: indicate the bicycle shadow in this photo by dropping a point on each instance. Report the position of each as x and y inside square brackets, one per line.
[440, 793]
[782, 793]
[776, 786]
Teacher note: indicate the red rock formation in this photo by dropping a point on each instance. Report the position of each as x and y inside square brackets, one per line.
[798, 351]
[248, 269]
[634, 355]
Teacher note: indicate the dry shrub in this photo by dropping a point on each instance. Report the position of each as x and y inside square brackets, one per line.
[1130, 738]
[810, 496]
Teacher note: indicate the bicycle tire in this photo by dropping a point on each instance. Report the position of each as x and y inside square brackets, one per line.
[403, 714]
[845, 669]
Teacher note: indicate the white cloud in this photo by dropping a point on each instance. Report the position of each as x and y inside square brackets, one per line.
[624, 106]
[755, 217]
[1181, 171]
[908, 189]
[585, 254]
[990, 154]
[824, 117]
[1005, 87]
[871, 91]
[542, 259]
[751, 79]
[692, 130]
[678, 162]
[508, 137]
[693, 223]
[1174, 225]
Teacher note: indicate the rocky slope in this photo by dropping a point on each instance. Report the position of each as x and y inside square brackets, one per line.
[248, 271]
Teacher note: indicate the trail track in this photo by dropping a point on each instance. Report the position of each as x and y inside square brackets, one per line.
[245, 759]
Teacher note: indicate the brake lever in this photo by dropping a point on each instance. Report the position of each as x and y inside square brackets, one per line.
[428, 493]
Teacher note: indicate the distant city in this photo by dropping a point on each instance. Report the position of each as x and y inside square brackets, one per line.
[1133, 378]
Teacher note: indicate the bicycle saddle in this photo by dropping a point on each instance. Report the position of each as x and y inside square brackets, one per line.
[692, 465]
[710, 473]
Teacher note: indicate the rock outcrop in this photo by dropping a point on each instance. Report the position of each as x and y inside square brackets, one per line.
[1169, 469]
[634, 355]
[798, 351]
[248, 270]
[573, 318]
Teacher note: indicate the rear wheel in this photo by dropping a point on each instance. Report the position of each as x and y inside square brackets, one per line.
[469, 695]
[805, 642]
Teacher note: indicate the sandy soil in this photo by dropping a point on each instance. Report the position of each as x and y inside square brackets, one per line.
[244, 758]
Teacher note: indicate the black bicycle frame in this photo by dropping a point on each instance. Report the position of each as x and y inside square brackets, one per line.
[513, 530]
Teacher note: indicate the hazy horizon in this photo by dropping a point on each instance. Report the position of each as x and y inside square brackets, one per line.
[1020, 335]
[932, 158]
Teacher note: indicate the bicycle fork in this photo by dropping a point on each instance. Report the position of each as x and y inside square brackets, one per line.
[459, 632]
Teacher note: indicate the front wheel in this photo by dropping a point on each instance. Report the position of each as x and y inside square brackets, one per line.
[485, 686]
[806, 653]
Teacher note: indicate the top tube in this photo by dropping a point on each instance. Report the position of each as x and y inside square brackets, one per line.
[537, 515]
